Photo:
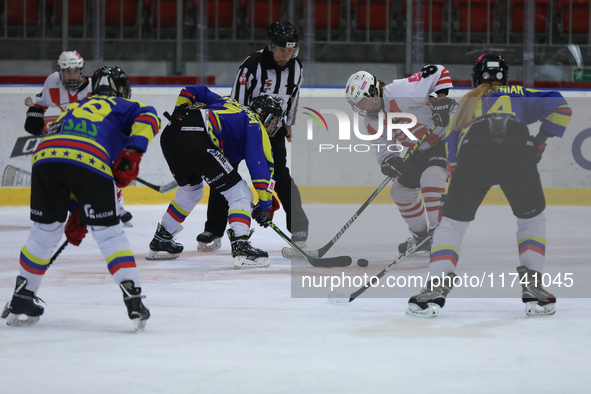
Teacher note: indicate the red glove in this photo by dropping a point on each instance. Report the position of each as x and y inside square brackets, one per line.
[126, 167]
[75, 231]
[262, 217]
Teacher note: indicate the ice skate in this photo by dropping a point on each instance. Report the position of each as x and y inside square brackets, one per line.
[126, 218]
[422, 251]
[22, 310]
[431, 299]
[208, 242]
[163, 246]
[245, 256]
[538, 302]
[299, 239]
[136, 310]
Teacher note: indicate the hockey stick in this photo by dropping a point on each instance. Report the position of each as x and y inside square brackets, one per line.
[340, 298]
[160, 189]
[57, 252]
[322, 251]
[340, 261]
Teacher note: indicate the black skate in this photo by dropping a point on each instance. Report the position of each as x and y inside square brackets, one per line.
[126, 219]
[422, 250]
[136, 310]
[245, 256]
[208, 242]
[431, 299]
[22, 310]
[163, 246]
[534, 295]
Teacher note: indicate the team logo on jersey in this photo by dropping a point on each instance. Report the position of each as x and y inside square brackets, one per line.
[268, 83]
[416, 77]
[242, 79]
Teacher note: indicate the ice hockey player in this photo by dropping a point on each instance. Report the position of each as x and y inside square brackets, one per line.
[206, 134]
[62, 88]
[425, 172]
[275, 71]
[94, 132]
[489, 144]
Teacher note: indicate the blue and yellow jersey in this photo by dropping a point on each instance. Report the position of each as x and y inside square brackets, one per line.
[95, 130]
[239, 133]
[520, 104]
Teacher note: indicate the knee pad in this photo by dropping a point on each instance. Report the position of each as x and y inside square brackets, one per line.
[110, 239]
[188, 196]
[239, 195]
[43, 239]
[434, 176]
[402, 194]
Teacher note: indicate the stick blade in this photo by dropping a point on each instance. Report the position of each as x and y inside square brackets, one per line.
[331, 262]
[169, 187]
[339, 298]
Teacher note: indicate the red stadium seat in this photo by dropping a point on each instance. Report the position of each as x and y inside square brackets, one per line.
[224, 12]
[321, 14]
[433, 11]
[163, 11]
[16, 12]
[580, 16]
[261, 12]
[75, 12]
[113, 13]
[518, 12]
[477, 17]
[378, 15]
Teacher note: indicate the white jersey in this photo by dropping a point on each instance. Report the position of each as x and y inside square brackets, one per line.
[410, 95]
[54, 94]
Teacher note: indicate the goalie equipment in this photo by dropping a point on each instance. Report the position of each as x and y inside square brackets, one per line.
[245, 256]
[111, 81]
[163, 246]
[23, 309]
[534, 295]
[208, 242]
[431, 299]
[136, 310]
[71, 60]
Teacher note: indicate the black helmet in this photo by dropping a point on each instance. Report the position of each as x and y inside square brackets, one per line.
[269, 110]
[111, 81]
[490, 68]
[284, 34]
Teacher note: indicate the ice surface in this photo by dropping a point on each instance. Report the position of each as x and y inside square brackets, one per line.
[215, 329]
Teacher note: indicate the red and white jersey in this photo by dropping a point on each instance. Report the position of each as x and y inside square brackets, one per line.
[411, 95]
[54, 94]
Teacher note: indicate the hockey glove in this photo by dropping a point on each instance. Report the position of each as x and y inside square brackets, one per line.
[262, 217]
[34, 123]
[539, 148]
[126, 167]
[75, 231]
[441, 108]
[393, 166]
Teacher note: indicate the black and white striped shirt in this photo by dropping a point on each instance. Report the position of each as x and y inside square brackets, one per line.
[259, 75]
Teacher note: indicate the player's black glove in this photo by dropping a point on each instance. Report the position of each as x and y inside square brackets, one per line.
[539, 148]
[393, 166]
[34, 123]
[441, 108]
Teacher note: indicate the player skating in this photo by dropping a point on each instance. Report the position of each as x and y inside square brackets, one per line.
[425, 172]
[60, 89]
[78, 160]
[489, 144]
[207, 132]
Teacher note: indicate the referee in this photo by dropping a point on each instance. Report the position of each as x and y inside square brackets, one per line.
[275, 71]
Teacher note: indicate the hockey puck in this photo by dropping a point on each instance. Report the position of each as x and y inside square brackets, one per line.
[362, 262]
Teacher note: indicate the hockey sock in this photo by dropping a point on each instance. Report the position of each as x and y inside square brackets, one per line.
[445, 251]
[239, 199]
[35, 255]
[185, 200]
[433, 182]
[531, 241]
[117, 252]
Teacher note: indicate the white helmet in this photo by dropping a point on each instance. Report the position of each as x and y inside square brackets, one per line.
[67, 60]
[360, 91]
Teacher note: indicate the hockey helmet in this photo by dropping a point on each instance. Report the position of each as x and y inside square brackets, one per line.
[490, 68]
[284, 34]
[361, 92]
[111, 81]
[269, 110]
[70, 60]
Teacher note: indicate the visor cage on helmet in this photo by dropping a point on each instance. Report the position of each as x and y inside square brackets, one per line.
[111, 81]
[490, 68]
[270, 112]
[68, 63]
[363, 94]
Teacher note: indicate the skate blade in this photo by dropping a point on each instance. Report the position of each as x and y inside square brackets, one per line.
[339, 298]
[430, 312]
[15, 320]
[127, 224]
[241, 263]
[160, 255]
[416, 256]
[5, 312]
[139, 325]
[209, 247]
[532, 310]
[290, 253]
